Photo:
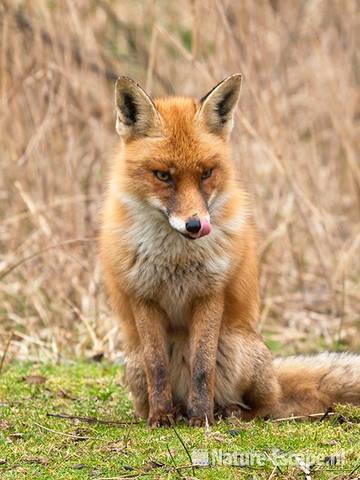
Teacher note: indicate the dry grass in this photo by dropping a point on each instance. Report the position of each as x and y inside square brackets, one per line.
[296, 142]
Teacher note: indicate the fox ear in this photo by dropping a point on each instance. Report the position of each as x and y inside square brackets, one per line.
[136, 114]
[217, 107]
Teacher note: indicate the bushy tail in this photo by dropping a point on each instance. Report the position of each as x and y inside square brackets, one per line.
[312, 384]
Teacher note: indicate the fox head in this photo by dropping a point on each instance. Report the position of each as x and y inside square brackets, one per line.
[175, 156]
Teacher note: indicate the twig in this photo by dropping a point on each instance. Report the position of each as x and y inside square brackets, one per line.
[326, 414]
[92, 420]
[185, 448]
[74, 437]
[320, 416]
[173, 461]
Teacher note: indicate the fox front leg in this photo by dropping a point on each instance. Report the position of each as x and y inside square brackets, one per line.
[204, 337]
[150, 325]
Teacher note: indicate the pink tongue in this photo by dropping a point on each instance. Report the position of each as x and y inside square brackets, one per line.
[205, 228]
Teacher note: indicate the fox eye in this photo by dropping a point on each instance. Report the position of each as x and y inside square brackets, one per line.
[163, 176]
[206, 174]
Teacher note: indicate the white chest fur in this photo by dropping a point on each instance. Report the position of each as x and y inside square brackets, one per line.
[173, 269]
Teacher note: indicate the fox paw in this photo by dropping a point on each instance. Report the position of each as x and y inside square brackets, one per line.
[161, 419]
[179, 412]
[201, 420]
[232, 410]
[197, 422]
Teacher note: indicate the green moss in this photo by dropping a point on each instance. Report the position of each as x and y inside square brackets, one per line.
[36, 446]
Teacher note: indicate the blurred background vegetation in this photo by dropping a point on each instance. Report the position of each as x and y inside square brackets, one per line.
[296, 144]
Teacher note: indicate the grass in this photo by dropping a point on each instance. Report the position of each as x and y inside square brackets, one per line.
[295, 143]
[36, 446]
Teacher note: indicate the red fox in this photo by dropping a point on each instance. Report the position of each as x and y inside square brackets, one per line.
[178, 250]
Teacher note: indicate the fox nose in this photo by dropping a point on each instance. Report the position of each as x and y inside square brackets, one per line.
[193, 225]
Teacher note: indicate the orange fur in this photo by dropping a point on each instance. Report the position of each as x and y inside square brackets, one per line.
[189, 308]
